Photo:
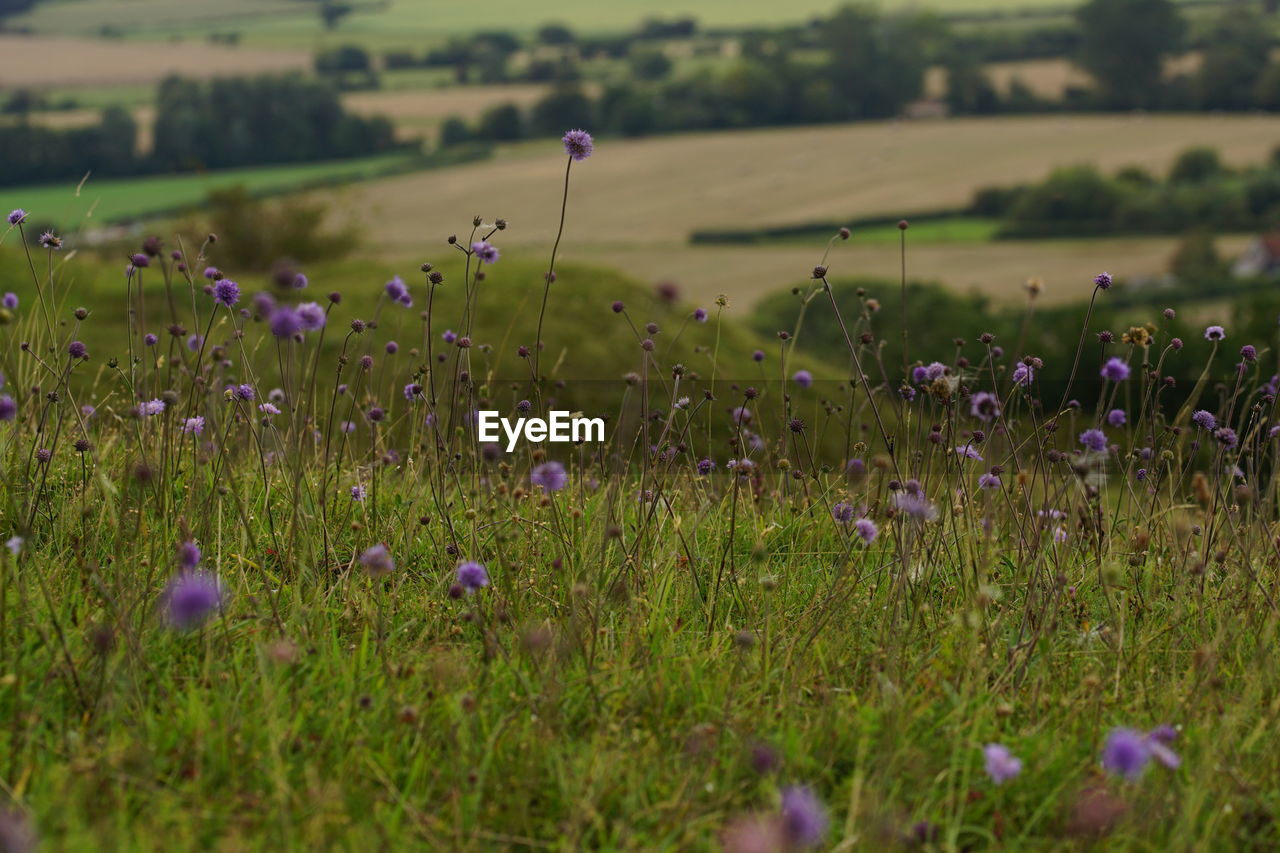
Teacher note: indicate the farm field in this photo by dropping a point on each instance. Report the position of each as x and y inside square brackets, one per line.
[108, 200]
[636, 208]
[400, 22]
[57, 60]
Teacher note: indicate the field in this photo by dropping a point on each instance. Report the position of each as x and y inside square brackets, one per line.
[72, 206]
[639, 205]
[267, 587]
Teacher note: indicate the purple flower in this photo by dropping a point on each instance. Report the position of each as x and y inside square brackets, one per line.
[989, 481]
[191, 598]
[550, 475]
[1117, 417]
[284, 322]
[1205, 420]
[397, 290]
[1115, 369]
[412, 391]
[1126, 753]
[984, 405]
[758, 355]
[51, 241]
[485, 251]
[10, 301]
[357, 493]
[1094, 440]
[803, 378]
[1102, 280]
[472, 575]
[300, 282]
[1023, 374]
[311, 315]
[578, 144]
[968, 452]
[804, 818]
[741, 415]
[1214, 333]
[17, 216]
[1226, 436]
[193, 426]
[189, 555]
[916, 505]
[377, 560]
[76, 349]
[866, 530]
[242, 392]
[150, 340]
[268, 409]
[842, 512]
[705, 466]
[194, 342]
[8, 408]
[151, 407]
[226, 292]
[1001, 764]
[700, 314]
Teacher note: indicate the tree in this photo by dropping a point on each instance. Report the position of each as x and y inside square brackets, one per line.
[563, 108]
[1196, 166]
[649, 64]
[1236, 55]
[1124, 44]
[501, 123]
[557, 34]
[969, 89]
[877, 64]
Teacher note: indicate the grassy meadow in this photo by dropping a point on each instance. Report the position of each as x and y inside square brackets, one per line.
[265, 586]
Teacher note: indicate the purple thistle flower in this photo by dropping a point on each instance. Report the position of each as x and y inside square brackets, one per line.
[8, 408]
[189, 556]
[348, 426]
[758, 355]
[226, 292]
[1001, 764]
[1023, 374]
[1226, 436]
[578, 144]
[77, 349]
[1094, 440]
[485, 251]
[700, 314]
[311, 315]
[804, 818]
[284, 322]
[10, 301]
[915, 505]
[412, 391]
[550, 475]
[17, 216]
[842, 512]
[968, 452]
[150, 339]
[194, 342]
[1115, 370]
[51, 241]
[1249, 352]
[193, 426]
[377, 560]
[357, 493]
[706, 466]
[300, 282]
[1126, 753]
[866, 530]
[242, 392]
[989, 481]
[1102, 280]
[191, 598]
[472, 576]
[803, 378]
[151, 407]
[1117, 418]
[741, 415]
[1205, 420]
[212, 273]
[268, 409]
[396, 289]
[1214, 333]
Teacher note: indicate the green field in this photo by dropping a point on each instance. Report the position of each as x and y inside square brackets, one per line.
[104, 202]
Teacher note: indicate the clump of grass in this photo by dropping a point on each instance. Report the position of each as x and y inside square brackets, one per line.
[267, 589]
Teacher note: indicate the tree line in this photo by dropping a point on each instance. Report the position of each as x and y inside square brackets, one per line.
[241, 121]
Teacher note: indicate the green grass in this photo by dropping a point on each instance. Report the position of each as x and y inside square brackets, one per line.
[108, 201]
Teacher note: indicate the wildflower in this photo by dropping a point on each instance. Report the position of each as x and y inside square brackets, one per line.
[412, 391]
[1117, 417]
[449, 336]
[150, 340]
[1205, 420]
[189, 555]
[1001, 764]
[242, 392]
[989, 481]
[705, 466]
[17, 216]
[968, 452]
[44, 454]
[472, 576]
[357, 493]
[300, 282]
[758, 355]
[311, 315]
[1226, 436]
[842, 512]
[915, 505]
[14, 544]
[550, 475]
[1102, 280]
[1158, 740]
[700, 314]
[866, 530]
[391, 348]
[151, 407]
[284, 322]
[741, 415]
[50, 241]
[191, 598]
[985, 406]
[1214, 333]
[485, 251]
[803, 378]
[377, 560]
[1023, 374]
[268, 409]
[193, 426]
[804, 819]
[8, 408]
[194, 342]
[1126, 753]
[76, 349]
[1249, 352]
[397, 290]
[226, 292]
[1094, 440]
[346, 426]
[578, 144]
[1115, 370]
[10, 301]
